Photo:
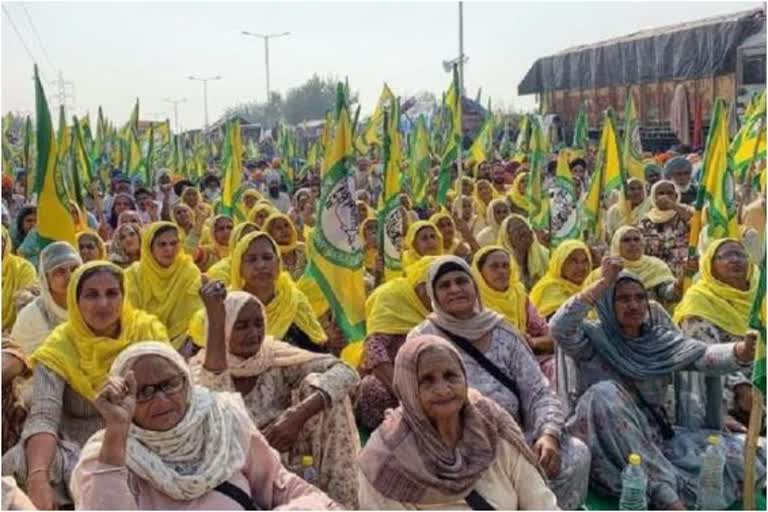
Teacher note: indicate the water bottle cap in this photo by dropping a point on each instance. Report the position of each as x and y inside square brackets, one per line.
[713, 440]
[307, 460]
[635, 459]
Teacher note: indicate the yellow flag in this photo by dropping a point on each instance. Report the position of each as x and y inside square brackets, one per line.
[717, 178]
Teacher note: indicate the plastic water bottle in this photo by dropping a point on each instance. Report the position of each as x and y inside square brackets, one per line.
[711, 477]
[309, 472]
[633, 485]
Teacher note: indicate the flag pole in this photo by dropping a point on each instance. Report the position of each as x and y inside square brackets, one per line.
[750, 449]
[459, 160]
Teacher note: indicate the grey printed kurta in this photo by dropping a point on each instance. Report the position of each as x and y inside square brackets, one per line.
[612, 423]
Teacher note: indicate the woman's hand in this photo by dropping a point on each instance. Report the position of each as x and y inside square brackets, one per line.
[41, 492]
[284, 431]
[547, 449]
[213, 294]
[610, 267]
[117, 402]
[745, 350]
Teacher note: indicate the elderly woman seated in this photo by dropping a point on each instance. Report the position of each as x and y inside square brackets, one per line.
[501, 366]
[299, 399]
[447, 446]
[626, 363]
[171, 445]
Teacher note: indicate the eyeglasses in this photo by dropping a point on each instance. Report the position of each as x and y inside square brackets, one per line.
[168, 387]
[732, 255]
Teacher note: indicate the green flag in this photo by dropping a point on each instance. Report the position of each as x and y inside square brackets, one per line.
[453, 146]
[391, 215]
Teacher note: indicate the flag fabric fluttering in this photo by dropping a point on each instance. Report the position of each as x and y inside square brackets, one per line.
[631, 146]
[538, 197]
[717, 178]
[334, 250]
[453, 144]
[233, 168]
[606, 177]
[420, 165]
[372, 134]
[390, 225]
[523, 138]
[564, 205]
[482, 148]
[54, 220]
[749, 142]
[581, 132]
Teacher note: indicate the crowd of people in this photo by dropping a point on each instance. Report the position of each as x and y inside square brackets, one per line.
[175, 357]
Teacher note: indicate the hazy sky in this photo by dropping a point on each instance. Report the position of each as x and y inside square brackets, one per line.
[114, 52]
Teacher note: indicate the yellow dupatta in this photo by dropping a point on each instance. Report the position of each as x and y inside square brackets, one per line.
[410, 254]
[553, 290]
[394, 307]
[714, 301]
[259, 210]
[437, 217]
[538, 255]
[18, 273]
[221, 250]
[169, 293]
[284, 249]
[289, 305]
[651, 270]
[480, 206]
[99, 242]
[370, 254]
[661, 216]
[518, 198]
[512, 302]
[222, 270]
[80, 357]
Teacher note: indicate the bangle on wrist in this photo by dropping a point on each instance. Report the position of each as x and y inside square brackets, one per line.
[37, 470]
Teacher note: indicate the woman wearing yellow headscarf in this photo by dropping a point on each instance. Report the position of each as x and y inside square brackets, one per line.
[18, 274]
[222, 270]
[257, 269]
[569, 267]
[497, 211]
[258, 215]
[71, 366]
[422, 239]
[447, 229]
[532, 258]
[392, 311]
[634, 205]
[483, 194]
[500, 289]
[655, 275]
[517, 194]
[465, 208]
[217, 249]
[715, 310]
[165, 280]
[90, 246]
[372, 260]
[292, 253]
[248, 201]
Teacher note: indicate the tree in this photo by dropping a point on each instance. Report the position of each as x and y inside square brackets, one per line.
[266, 114]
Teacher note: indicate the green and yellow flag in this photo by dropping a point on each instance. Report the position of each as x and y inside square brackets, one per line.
[233, 169]
[631, 146]
[54, 221]
[453, 144]
[717, 183]
[523, 139]
[391, 214]
[133, 154]
[565, 212]
[606, 177]
[420, 164]
[581, 132]
[538, 197]
[81, 154]
[749, 142]
[372, 134]
[334, 248]
[482, 148]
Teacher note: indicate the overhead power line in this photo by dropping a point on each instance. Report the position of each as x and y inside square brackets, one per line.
[39, 39]
[21, 39]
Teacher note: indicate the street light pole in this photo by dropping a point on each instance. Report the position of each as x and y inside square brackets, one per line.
[459, 161]
[266, 38]
[176, 110]
[205, 81]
